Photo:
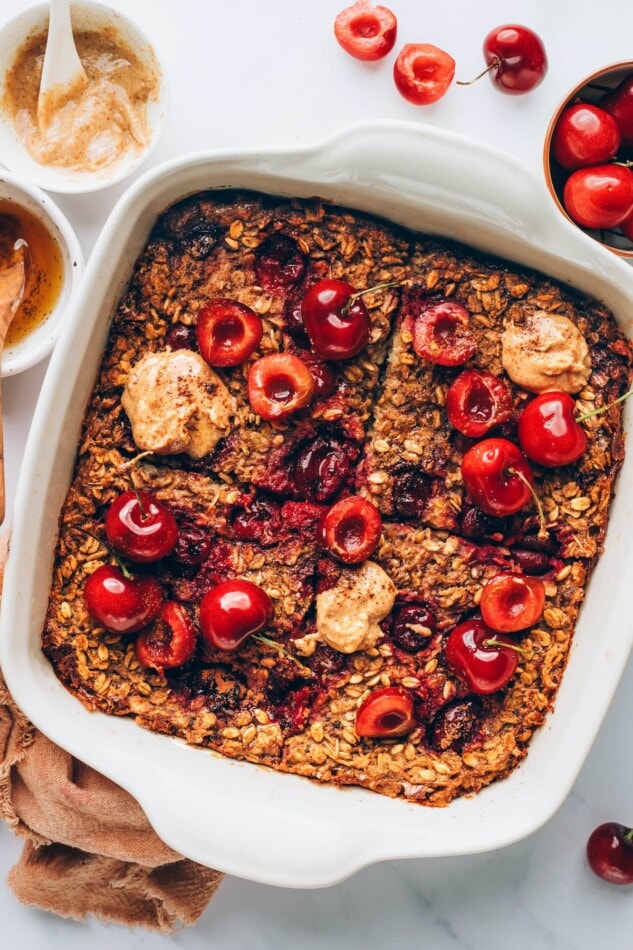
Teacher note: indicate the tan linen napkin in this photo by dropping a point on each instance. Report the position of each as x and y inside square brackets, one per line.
[89, 847]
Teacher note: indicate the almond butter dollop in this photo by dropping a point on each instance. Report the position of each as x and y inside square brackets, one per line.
[176, 403]
[547, 352]
[348, 614]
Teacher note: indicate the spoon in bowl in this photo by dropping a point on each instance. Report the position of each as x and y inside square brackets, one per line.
[13, 280]
[63, 74]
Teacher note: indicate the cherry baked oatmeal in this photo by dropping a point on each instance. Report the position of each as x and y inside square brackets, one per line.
[338, 494]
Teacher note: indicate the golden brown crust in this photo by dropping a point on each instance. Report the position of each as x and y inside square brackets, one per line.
[387, 416]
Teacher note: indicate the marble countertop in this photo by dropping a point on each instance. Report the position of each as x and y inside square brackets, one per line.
[242, 73]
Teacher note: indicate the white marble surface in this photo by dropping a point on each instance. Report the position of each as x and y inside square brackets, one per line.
[244, 72]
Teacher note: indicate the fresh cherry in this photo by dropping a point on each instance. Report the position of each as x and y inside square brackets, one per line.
[585, 135]
[351, 530]
[366, 32]
[413, 627]
[140, 528]
[484, 660]
[510, 602]
[169, 642]
[441, 333]
[181, 337]
[497, 477]
[321, 469]
[336, 321]
[228, 332]
[516, 59]
[549, 432]
[232, 611]
[386, 712]
[279, 385]
[620, 104]
[610, 853]
[279, 264]
[600, 196]
[122, 603]
[423, 73]
[476, 402]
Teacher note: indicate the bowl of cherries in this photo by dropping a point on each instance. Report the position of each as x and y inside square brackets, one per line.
[588, 157]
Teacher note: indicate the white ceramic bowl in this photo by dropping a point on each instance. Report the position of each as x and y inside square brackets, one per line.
[244, 819]
[85, 16]
[39, 342]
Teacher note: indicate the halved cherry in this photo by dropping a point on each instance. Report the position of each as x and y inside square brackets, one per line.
[279, 264]
[366, 32]
[549, 433]
[170, 642]
[413, 627]
[476, 402]
[423, 73]
[336, 321]
[279, 385]
[122, 603]
[484, 660]
[497, 477]
[351, 530]
[441, 333]
[386, 712]
[228, 332]
[232, 611]
[140, 527]
[511, 602]
[321, 469]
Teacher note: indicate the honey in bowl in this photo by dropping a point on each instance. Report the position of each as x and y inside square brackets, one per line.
[46, 269]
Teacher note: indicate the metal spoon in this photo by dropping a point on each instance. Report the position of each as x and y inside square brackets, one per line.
[62, 73]
[13, 280]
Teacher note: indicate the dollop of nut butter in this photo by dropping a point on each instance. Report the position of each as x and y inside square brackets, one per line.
[176, 403]
[348, 614]
[547, 352]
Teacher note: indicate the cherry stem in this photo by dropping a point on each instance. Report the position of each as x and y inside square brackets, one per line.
[598, 412]
[493, 65]
[137, 458]
[124, 570]
[625, 162]
[543, 532]
[361, 293]
[509, 646]
[144, 514]
[282, 651]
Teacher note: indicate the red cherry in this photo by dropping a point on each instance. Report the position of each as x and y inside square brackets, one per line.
[423, 73]
[279, 385]
[351, 530]
[413, 627]
[610, 853]
[441, 333]
[181, 337]
[495, 472]
[140, 527]
[517, 57]
[279, 264]
[321, 470]
[366, 32]
[122, 604]
[232, 611]
[386, 712]
[585, 135]
[484, 660]
[600, 196]
[476, 402]
[619, 104]
[170, 642]
[228, 332]
[510, 602]
[627, 228]
[337, 324]
[548, 431]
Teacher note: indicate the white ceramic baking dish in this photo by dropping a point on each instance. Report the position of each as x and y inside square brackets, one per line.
[246, 820]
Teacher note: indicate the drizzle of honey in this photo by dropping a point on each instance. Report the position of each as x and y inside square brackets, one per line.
[46, 272]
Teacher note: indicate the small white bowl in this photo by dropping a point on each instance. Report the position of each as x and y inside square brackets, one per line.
[85, 16]
[37, 344]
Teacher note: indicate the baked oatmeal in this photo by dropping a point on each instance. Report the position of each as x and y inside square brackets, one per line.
[284, 542]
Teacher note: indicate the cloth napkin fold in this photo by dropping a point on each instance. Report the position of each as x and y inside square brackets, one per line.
[89, 848]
